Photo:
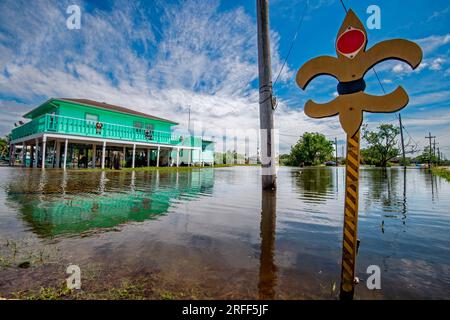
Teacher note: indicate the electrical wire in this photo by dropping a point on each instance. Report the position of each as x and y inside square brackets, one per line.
[292, 42]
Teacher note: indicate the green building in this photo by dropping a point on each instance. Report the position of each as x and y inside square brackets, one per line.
[84, 133]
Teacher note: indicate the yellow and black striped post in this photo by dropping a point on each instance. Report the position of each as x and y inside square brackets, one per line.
[349, 243]
[349, 67]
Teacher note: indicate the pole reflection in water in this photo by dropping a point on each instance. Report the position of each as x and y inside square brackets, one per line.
[267, 267]
[432, 186]
[64, 183]
[404, 196]
[133, 181]
[102, 184]
[42, 183]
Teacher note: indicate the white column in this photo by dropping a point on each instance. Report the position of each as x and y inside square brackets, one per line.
[189, 156]
[178, 156]
[58, 153]
[44, 146]
[36, 155]
[134, 155]
[66, 146]
[148, 158]
[103, 154]
[94, 152]
[24, 154]
[157, 156]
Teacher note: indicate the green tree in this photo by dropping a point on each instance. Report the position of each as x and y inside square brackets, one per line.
[381, 145]
[284, 159]
[4, 147]
[427, 156]
[311, 149]
[228, 157]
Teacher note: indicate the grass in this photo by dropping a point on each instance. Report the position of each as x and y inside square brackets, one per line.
[442, 172]
[137, 290]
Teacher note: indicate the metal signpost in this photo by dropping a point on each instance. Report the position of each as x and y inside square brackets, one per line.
[349, 67]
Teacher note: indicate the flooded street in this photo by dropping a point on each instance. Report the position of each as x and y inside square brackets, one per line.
[211, 233]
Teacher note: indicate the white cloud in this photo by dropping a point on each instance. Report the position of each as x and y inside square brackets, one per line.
[437, 63]
[430, 98]
[203, 58]
[433, 42]
[433, 64]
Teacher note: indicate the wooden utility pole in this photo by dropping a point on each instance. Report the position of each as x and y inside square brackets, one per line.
[439, 157]
[265, 96]
[430, 153]
[335, 147]
[224, 149]
[403, 142]
[434, 149]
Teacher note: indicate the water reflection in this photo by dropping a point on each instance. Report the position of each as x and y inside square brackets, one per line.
[197, 232]
[267, 267]
[100, 201]
[317, 181]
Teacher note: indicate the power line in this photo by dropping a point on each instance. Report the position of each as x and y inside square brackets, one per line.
[343, 5]
[292, 42]
[378, 78]
[298, 136]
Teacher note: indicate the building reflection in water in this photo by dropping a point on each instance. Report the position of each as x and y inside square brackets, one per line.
[267, 268]
[59, 203]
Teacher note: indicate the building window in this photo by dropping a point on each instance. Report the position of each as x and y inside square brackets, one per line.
[181, 152]
[91, 117]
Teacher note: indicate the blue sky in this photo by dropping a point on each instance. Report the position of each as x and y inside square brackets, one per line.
[162, 56]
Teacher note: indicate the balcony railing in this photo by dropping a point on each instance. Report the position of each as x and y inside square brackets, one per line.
[50, 123]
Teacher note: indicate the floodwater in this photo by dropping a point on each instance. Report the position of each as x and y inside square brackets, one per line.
[211, 233]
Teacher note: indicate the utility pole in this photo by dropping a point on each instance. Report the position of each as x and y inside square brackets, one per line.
[224, 149]
[335, 148]
[403, 142]
[429, 158]
[265, 96]
[246, 160]
[434, 148]
[439, 157]
[235, 151]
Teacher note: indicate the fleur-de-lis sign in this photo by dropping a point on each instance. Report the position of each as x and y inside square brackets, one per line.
[352, 63]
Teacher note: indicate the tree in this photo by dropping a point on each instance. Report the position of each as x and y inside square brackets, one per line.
[284, 159]
[427, 156]
[4, 147]
[311, 149]
[381, 145]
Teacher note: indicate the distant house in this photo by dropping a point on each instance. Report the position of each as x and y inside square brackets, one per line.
[85, 133]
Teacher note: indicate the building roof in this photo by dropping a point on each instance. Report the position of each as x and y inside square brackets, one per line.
[106, 106]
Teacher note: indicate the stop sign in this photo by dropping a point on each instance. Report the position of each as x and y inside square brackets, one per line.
[351, 42]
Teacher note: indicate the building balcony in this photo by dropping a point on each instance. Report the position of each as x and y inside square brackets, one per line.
[54, 124]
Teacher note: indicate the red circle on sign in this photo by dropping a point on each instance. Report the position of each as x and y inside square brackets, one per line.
[350, 41]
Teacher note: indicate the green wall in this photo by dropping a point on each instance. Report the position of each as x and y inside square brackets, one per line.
[79, 111]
